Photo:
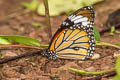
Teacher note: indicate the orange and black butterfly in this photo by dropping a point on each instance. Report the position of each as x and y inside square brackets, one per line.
[74, 39]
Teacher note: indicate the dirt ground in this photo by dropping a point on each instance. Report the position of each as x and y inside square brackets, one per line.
[40, 68]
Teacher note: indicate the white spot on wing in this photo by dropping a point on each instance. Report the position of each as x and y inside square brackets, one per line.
[85, 23]
[77, 17]
[72, 17]
[67, 24]
[64, 23]
[91, 26]
[89, 7]
[84, 19]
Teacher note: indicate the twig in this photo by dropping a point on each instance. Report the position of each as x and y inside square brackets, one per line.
[30, 53]
[107, 44]
[47, 19]
[22, 46]
[104, 76]
[82, 72]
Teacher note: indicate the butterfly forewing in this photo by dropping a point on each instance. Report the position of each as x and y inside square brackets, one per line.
[75, 39]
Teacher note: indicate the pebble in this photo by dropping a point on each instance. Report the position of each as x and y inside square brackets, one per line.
[96, 56]
[116, 54]
[90, 69]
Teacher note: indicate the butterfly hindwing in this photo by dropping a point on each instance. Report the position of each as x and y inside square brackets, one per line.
[75, 39]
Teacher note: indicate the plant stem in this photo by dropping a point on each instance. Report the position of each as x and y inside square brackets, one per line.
[107, 44]
[82, 72]
[47, 18]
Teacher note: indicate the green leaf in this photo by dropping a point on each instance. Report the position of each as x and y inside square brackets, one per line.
[96, 34]
[22, 40]
[118, 66]
[112, 30]
[4, 41]
[26, 5]
[36, 25]
[56, 7]
[83, 72]
[117, 43]
[32, 6]
[1, 54]
[117, 77]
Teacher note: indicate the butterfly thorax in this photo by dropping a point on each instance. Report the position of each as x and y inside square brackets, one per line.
[49, 54]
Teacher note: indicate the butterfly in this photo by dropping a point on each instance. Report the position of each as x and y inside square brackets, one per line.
[74, 39]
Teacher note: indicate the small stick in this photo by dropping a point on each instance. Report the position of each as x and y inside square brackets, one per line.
[19, 46]
[30, 53]
[82, 72]
[103, 76]
[47, 19]
[107, 44]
